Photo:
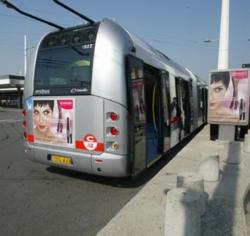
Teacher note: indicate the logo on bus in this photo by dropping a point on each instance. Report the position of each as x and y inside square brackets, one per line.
[79, 90]
[87, 46]
[42, 91]
[90, 142]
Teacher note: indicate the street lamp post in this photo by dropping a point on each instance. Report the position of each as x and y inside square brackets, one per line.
[226, 132]
[25, 55]
[223, 56]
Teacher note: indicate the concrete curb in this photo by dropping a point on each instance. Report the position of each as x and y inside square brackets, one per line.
[182, 215]
[194, 182]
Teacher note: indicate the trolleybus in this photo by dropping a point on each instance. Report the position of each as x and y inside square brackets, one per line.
[100, 100]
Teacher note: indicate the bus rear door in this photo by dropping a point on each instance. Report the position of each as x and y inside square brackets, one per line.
[137, 116]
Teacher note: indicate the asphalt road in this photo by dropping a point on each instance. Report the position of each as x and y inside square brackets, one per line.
[40, 200]
[45, 201]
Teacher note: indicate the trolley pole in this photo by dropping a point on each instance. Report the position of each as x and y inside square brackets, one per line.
[25, 57]
[226, 132]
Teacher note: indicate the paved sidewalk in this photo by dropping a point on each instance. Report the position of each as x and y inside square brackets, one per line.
[145, 213]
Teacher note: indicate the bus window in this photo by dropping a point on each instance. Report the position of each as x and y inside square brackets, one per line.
[166, 109]
[200, 105]
[183, 108]
[176, 109]
[63, 71]
[154, 113]
[191, 102]
[186, 105]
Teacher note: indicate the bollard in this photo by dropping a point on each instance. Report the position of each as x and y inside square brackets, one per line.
[194, 182]
[246, 144]
[182, 217]
[231, 152]
[209, 167]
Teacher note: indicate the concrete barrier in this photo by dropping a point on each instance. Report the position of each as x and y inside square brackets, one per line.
[182, 217]
[246, 144]
[231, 152]
[194, 182]
[209, 168]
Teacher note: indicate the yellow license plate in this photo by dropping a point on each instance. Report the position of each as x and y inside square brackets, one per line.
[62, 160]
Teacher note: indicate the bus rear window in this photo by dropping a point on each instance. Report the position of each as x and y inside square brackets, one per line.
[63, 70]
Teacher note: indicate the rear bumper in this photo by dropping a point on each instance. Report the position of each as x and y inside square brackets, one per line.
[105, 164]
[111, 165]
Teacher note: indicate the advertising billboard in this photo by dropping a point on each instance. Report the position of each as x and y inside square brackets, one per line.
[53, 121]
[229, 97]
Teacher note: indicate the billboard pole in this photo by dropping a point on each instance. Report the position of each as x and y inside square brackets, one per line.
[226, 132]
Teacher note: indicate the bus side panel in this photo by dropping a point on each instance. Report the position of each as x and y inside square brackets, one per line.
[108, 76]
[89, 120]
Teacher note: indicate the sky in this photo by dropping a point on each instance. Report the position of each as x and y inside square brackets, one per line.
[177, 28]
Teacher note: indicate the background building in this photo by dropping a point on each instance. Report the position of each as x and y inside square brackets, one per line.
[11, 90]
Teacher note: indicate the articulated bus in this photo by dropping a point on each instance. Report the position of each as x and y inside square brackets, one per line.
[99, 100]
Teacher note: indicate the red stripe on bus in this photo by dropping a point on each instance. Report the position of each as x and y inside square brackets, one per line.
[79, 144]
[100, 147]
[30, 138]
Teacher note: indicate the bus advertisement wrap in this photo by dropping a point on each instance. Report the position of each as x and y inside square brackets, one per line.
[53, 121]
[229, 97]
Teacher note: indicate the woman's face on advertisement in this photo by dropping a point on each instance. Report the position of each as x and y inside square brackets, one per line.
[42, 117]
[217, 94]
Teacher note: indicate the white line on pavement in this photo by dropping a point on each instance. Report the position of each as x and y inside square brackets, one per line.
[10, 121]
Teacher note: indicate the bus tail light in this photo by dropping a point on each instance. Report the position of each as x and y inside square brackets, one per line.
[114, 116]
[112, 146]
[115, 146]
[25, 135]
[113, 131]
[30, 138]
[112, 143]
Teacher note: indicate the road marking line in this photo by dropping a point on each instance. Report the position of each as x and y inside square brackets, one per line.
[10, 121]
